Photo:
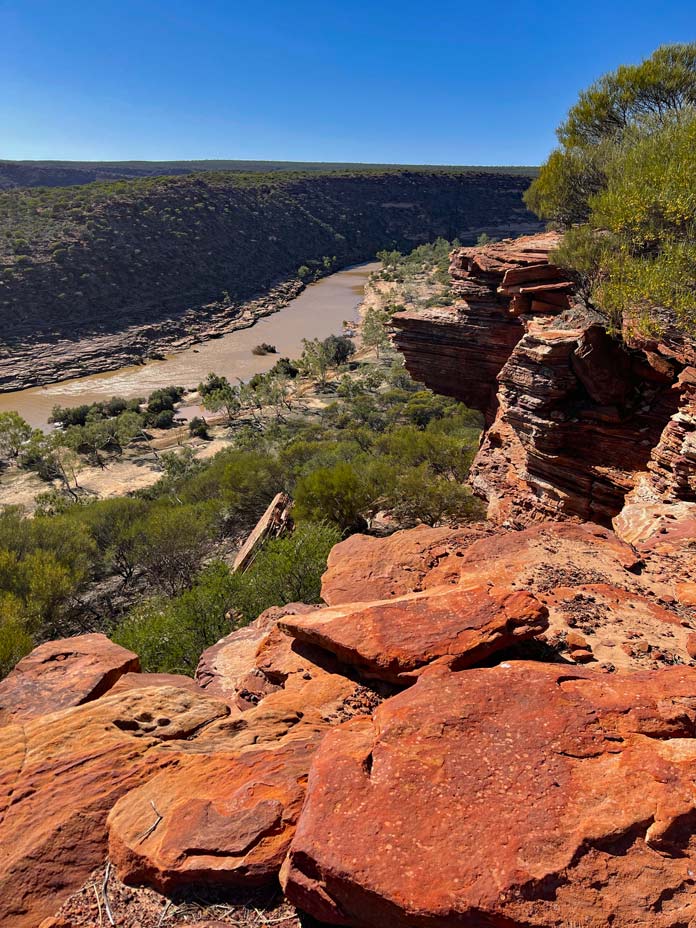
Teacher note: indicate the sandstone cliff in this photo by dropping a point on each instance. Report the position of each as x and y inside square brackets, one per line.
[577, 419]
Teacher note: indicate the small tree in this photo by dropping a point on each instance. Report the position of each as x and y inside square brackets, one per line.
[218, 393]
[373, 329]
[14, 433]
[316, 359]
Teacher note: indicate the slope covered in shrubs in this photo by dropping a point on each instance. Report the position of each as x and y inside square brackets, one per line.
[76, 261]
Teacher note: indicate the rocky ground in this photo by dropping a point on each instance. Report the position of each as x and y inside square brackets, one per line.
[493, 725]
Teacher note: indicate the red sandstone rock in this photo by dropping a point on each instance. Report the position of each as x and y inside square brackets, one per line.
[364, 569]
[601, 617]
[60, 775]
[217, 820]
[691, 645]
[62, 673]
[574, 417]
[396, 639]
[549, 555]
[221, 667]
[522, 795]
[132, 681]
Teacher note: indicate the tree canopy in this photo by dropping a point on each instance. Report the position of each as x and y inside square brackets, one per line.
[622, 183]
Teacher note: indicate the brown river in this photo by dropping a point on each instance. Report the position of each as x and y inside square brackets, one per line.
[318, 311]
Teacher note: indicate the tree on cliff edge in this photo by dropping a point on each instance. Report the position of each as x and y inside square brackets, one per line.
[621, 185]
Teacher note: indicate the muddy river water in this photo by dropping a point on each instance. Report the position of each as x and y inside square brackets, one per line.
[318, 311]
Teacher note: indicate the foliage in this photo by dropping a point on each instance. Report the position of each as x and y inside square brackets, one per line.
[169, 635]
[198, 428]
[627, 104]
[14, 433]
[625, 171]
[340, 493]
[171, 543]
[373, 329]
[218, 393]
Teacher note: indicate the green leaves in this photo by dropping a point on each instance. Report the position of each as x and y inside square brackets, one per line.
[626, 172]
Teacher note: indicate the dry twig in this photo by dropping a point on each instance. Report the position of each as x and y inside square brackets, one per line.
[107, 874]
[148, 831]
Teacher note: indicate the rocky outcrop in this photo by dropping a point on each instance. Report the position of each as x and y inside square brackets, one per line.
[396, 640]
[498, 727]
[363, 568]
[62, 673]
[522, 795]
[220, 819]
[609, 607]
[60, 775]
[574, 416]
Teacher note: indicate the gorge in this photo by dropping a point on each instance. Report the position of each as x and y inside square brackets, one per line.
[511, 698]
[96, 277]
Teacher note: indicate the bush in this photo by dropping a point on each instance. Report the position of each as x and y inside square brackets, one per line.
[164, 399]
[171, 543]
[264, 348]
[284, 369]
[198, 428]
[341, 494]
[15, 642]
[169, 635]
[625, 170]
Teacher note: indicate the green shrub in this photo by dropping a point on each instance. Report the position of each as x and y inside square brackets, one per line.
[625, 171]
[198, 428]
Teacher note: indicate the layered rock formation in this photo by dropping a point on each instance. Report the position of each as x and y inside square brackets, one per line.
[575, 417]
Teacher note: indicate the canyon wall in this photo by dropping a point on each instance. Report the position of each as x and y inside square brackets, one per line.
[86, 272]
[578, 422]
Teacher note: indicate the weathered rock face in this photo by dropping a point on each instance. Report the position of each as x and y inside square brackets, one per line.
[225, 669]
[608, 606]
[573, 428]
[61, 773]
[362, 568]
[522, 795]
[395, 640]
[218, 820]
[574, 416]
[62, 673]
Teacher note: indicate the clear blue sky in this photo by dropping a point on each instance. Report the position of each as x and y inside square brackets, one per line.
[429, 82]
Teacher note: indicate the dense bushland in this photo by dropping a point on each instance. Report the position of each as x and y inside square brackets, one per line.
[622, 185]
[380, 444]
[66, 173]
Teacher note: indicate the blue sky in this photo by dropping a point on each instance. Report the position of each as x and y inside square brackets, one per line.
[441, 82]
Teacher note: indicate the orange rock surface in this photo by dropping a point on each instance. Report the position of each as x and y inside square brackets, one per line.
[61, 673]
[522, 795]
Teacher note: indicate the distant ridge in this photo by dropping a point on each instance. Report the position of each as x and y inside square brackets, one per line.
[73, 173]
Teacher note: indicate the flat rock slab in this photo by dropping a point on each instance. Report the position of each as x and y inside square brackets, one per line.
[393, 640]
[364, 569]
[217, 820]
[62, 673]
[623, 631]
[61, 774]
[521, 795]
[552, 554]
